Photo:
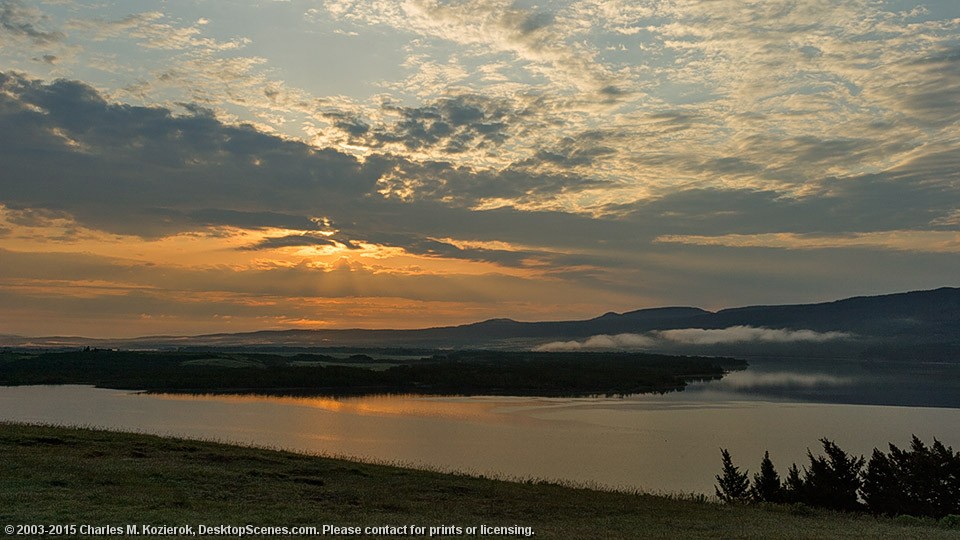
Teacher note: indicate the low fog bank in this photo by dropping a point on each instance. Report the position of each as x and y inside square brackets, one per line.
[699, 338]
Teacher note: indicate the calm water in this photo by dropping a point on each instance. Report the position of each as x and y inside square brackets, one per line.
[667, 443]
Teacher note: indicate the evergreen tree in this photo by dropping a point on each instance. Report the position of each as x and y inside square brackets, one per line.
[833, 481]
[794, 488]
[945, 497]
[732, 485]
[918, 482]
[881, 489]
[766, 484]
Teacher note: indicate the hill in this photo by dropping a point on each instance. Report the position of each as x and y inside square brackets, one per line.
[57, 476]
[886, 325]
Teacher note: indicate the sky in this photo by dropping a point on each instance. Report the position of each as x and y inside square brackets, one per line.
[199, 166]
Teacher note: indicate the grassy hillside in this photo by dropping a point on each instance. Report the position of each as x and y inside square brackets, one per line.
[52, 475]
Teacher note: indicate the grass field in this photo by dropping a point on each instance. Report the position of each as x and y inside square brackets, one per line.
[67, 476]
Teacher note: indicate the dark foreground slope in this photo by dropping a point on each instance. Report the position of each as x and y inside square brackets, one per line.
[52, 476]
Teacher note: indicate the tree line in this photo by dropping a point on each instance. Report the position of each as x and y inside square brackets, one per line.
[921, 481]
[448, 372]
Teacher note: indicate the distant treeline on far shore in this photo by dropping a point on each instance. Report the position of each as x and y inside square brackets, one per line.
[460, 372]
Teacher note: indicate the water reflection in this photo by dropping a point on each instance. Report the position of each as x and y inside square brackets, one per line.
[476, 410]
[791, 379]
[912, 384]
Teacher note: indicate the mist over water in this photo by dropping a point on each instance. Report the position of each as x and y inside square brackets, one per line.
[693, 336]
[908, 384]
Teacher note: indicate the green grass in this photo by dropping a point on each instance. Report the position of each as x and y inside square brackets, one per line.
[55, 475]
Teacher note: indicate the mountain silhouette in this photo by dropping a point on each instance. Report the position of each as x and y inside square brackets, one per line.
[888, 322]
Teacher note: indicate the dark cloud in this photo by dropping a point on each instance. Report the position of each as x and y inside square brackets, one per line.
[349, 124]
[532, 22]
[19, 21]
[453, 124]
[571, 152]
[933, 90]
[245, 219]
[812, 150]
[462, 186]
[430, 247]
[939, 167]
[33, 217]
[895, 200]
[149, 172]
[675, 120]
[143, 170]
[732, 165]
[298, 240]
[612, 91]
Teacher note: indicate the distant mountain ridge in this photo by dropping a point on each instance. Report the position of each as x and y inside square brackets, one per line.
[931, 316]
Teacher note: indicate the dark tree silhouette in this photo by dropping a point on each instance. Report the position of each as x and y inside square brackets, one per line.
[944, 475]
[832, 481]
[921, 481]
[882, 490]
[793, 487]
[766, 484]
[732, 485]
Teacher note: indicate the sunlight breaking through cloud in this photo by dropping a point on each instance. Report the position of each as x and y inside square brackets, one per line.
[618, 154]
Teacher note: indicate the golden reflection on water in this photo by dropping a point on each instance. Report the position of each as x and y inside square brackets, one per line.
[378, 405]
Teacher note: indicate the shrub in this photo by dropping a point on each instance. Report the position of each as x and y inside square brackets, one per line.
[950, 521]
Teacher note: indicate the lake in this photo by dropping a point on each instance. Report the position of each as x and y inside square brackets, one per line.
[656, 443]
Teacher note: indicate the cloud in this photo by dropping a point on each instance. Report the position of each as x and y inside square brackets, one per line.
[451, 124]
[155, 172]
[151, 172]
[693, 336]
[152, 30]
[928, 241]
[20, 21]
[914, 198]
[147, 171]
[533, 36]
[600, 343]
[777, 96]
[583, 150]
[746, 334]
[729, 129]
[466, 187]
